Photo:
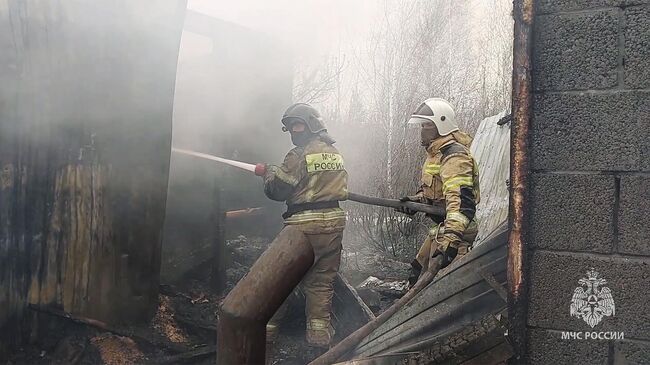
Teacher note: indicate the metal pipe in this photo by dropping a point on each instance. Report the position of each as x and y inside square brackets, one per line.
[353, 340]
[435, 210]
[241, 334]
[521, 104]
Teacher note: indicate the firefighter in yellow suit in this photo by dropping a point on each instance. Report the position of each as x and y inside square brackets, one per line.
[312, 180]
[449, 175]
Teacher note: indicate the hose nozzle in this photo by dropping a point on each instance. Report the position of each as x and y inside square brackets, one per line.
[260, 169]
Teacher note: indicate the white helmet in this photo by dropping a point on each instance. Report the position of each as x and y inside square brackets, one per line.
[438, 111]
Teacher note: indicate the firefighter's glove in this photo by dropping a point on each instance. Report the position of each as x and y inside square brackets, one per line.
[449, 256]
[268, 174]
[406, 210]
[447, 247]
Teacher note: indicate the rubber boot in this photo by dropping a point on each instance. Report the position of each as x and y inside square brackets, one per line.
[319, 333]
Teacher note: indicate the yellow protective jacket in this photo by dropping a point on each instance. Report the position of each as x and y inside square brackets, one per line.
[310, 176]
[450, 174]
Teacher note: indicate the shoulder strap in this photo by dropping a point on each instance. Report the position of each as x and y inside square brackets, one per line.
[452, 149]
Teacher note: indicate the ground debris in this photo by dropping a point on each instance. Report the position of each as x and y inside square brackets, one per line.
[380, 294]
[183, 328]
[179, 327]
[359, 264]
[291, 348]
[389, 275]
[189, 356]
[245, 251]
[117, 350]
[165, 322]
[387, 287]
[71, 349]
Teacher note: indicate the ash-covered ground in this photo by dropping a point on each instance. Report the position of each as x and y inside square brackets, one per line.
[183, 329]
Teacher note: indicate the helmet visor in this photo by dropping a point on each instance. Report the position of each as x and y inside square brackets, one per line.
[419, 121]
[289, 121]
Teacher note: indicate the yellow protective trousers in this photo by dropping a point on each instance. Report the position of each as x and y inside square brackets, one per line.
[325, 238]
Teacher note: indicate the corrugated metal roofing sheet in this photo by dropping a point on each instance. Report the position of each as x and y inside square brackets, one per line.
[491, 148]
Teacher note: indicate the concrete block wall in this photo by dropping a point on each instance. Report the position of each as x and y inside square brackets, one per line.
[589, 199]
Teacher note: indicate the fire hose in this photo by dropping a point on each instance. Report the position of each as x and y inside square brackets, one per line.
[432, 210]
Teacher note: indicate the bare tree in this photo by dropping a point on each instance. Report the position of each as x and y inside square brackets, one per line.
[315, 84]
[419, 49]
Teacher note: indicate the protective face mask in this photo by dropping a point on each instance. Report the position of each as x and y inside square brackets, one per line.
[427, 135]
[300, 139]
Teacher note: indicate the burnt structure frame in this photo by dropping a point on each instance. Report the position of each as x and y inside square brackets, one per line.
[523, 12]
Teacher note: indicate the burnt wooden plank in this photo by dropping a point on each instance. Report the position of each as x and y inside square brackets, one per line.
[349, 311]
[85, 134]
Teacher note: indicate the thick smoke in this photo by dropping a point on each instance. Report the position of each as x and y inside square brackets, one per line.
[364, 64]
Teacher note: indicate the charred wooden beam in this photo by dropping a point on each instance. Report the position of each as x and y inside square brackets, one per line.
[79, 319]
[194, 324]
[188, 356]
[244, 213]
[522, 105]
[106, 327]
[348, 309]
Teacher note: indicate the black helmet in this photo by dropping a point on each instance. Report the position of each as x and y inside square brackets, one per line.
[304, 113]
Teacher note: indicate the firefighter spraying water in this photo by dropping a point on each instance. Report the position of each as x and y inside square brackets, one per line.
[311, 180]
